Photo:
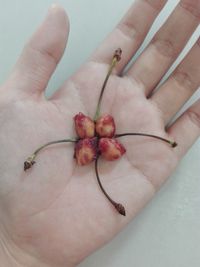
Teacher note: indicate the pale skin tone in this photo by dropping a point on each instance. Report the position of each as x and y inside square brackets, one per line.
[54, 215]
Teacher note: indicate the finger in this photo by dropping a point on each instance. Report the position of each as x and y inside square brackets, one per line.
[42, 53]
[180, 86]
[129, 33]
[186, 129]
[166, 45]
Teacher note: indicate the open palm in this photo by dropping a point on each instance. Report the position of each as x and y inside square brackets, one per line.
[54, 214]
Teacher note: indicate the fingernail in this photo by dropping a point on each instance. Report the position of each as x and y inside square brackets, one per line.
[54, 5]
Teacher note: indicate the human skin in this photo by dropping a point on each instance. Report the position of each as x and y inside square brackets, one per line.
[54, 215]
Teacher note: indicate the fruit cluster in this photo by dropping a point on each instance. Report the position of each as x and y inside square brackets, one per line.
[96, 138]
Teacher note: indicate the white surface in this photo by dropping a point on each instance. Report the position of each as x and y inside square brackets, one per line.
[167, 232]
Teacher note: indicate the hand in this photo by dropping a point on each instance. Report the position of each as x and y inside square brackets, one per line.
[55, 214]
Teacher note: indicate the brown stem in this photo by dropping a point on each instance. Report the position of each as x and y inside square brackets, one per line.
[172, 143]
[31, 160]
[119, 207]
[115, 59]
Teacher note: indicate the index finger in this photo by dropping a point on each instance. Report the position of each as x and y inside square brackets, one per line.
[129, 33]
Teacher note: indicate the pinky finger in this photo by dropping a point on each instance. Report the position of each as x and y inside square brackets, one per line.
[186, 129]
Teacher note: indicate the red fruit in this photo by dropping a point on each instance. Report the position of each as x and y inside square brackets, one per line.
[111, 149]
[86, 151]
[105, 126]
[85, 127]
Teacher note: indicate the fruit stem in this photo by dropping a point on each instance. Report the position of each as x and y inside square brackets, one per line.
[115, 59]
[172, 143]
[119, 207]
[31, 160]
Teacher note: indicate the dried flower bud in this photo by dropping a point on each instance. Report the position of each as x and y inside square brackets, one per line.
[28, 163]
[120, 208]
[111, 149]
[105, 126]
[85, 127]
[86, 151]
[118, 54]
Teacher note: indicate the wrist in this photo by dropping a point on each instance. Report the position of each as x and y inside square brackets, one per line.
[7, 257]
[11, 255]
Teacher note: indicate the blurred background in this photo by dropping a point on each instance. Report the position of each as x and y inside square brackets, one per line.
[167, 232]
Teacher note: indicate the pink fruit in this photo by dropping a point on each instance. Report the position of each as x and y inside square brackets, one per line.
[111, 149]
[84, 126]
[86, 151]
[105, 126]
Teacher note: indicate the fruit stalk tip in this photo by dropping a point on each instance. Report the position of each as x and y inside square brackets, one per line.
[174, 144]
[120, 208]
[118, 54]
[28, 163]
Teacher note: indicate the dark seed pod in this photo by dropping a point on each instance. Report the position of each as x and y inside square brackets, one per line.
[28, 164]
[118, 54]
[120, 208]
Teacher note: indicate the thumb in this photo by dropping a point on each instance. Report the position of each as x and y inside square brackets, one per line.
[42, 53]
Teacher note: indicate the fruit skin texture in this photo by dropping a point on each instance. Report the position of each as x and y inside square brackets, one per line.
[84, 126]
[110, 149]
[105, 126]
[96, 138]
[86, 151]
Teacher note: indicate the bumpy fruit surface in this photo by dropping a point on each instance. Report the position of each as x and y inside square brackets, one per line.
[95, 139]
[86, 151]
[111, 149]
[105, 126]
[84, 126]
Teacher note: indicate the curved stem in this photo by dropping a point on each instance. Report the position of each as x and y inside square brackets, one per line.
[117, 206]
[115, 59]
[172, 143]
[31, 160]
[54, 142]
